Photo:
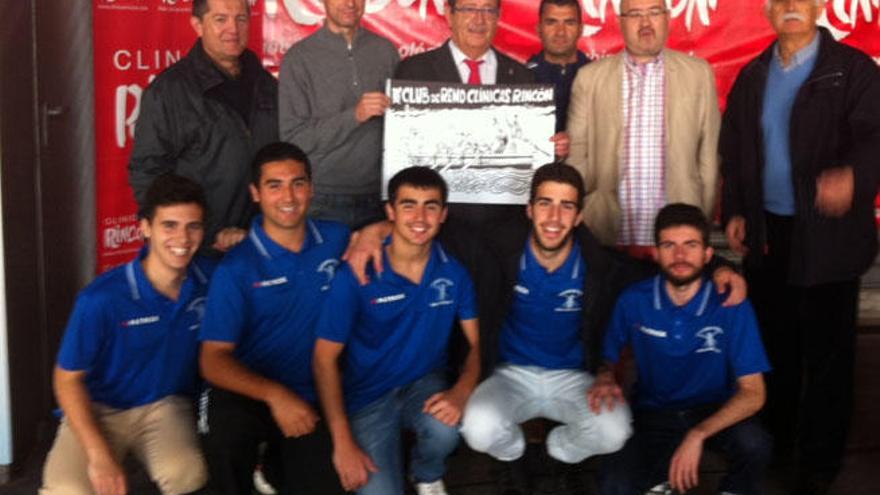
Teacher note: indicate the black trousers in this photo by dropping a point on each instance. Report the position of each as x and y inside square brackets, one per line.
[237, 425]
[644, 460]
[809, 335]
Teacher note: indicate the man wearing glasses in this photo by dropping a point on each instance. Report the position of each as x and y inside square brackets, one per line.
[644, 130]
[468, 55]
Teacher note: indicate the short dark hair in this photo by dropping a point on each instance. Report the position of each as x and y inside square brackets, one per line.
[419, 178]
[562, 173]
[277, 152]
[452, 4]
[562, 3]
[169, 190]
[681, 214]
[200, 7]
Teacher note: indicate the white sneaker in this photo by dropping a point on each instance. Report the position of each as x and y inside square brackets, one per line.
[661, 489]
[432, 488]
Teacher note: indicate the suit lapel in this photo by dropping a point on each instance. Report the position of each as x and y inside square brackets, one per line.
[444, 65]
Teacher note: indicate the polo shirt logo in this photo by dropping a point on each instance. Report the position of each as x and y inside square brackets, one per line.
[571, 300]
[197, 306]
[388, 299]
[521, 289]
[143, 320]
[328, 268]
[441, 285]
[271, 282]
[710, 342]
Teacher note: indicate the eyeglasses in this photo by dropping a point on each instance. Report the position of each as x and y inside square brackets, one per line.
[638, 15]
[475, 11]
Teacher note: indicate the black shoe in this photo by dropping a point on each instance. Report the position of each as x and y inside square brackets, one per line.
[512, 478]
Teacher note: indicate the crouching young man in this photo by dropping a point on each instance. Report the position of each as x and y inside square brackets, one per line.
[699, 365]
[394, 332]
[559, 286]
[126, 371]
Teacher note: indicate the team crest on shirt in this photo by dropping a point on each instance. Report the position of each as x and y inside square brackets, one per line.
[571, 300]
[197, 306]
[710, 340]
[441, 291]
[328, 268]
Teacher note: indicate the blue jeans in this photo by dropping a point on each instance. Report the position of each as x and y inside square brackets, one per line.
[354, 210]
[377, 430]
[644, 460]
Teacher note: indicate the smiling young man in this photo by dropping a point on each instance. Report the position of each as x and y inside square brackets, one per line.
[258, 335]
[559, 28]
[556, 284]
[126, 372]
[394, 333]
[699, 367]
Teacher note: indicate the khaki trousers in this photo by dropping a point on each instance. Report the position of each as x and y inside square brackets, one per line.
[161, 434]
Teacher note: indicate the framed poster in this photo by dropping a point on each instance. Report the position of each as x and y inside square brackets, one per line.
[486, 141]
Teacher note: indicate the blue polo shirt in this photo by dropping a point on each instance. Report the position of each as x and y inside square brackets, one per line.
[687, 356]
[265, 299]
[395, 331]
[136, 345]
[543, 325]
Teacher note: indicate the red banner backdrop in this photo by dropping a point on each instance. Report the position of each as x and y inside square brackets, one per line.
[136, 39]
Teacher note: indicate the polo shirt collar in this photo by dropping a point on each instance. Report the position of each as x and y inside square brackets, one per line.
[438, 255]
[573, 264]
[270, 249]
[139, 286]
[695, 307]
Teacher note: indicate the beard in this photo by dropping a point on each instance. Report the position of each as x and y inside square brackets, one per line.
[679, 281]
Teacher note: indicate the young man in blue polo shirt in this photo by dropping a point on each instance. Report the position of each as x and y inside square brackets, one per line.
[258, 335]
[700, 368]
[126, 371]
[543, 361]
[395, 331]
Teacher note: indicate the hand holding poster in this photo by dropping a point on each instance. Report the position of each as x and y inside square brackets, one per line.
[484, 140]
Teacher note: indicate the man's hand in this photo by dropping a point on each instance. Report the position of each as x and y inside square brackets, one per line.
[726, 278]
[105, 474]
[446, 406]
[834, 191]
[371, 105]
[227, 238]
[604, 391]
[365, 246]
[561, 144]
[684, 468]
[736, 235]
[294, 416]
[352, 465]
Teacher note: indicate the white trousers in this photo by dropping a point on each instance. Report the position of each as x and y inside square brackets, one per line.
[514, 394]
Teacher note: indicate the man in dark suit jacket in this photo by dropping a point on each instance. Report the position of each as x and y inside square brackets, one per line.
[473, 24]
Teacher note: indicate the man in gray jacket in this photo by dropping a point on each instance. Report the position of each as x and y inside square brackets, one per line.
[205, 117]
[331, 103]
